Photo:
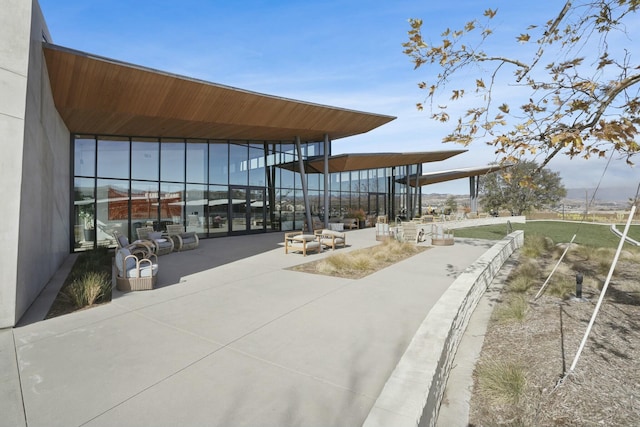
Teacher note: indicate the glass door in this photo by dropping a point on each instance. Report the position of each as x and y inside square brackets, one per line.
[247, 209]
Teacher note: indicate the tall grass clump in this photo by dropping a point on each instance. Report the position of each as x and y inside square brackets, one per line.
[520, 284]
[528, 268]
[503, 382]
[536, 245]
[88, 288]
[514, 310]
[561, 287]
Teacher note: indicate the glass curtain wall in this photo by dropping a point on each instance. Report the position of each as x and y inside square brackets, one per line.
[209, 186]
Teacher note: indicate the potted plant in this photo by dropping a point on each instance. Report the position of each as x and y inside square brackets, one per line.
[359, 215]
[87, 214]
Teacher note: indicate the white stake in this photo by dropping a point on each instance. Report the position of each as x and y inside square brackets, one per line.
[554, 268]
[604, 290]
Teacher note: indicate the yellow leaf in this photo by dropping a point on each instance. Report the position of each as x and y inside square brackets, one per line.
[490, 13]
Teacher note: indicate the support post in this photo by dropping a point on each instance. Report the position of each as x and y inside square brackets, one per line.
[303, 180]
[473, 194]
[408, 204]
[327, 208]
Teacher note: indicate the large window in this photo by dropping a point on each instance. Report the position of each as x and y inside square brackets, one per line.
[213, 187]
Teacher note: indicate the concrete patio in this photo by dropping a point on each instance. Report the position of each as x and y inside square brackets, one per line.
[230, 337]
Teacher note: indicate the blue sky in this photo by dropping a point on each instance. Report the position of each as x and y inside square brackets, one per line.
[345, 53]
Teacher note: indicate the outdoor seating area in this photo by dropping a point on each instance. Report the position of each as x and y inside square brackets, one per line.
[133, 273]
[300, 242]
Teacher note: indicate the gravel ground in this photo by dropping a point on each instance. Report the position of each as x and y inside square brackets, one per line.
[604, 388]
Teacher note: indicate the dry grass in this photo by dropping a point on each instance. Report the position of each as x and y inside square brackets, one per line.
[502, 382]
[87, 289]
[604, 388]
[362, 262]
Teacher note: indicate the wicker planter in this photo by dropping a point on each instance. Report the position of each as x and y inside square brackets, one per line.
[136, 284]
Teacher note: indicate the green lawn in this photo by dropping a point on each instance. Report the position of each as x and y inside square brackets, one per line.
[589, 234]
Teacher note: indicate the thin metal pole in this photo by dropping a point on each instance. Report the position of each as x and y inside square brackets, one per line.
[327, 145]
[554, 269]
[604, 290]
[303, 179]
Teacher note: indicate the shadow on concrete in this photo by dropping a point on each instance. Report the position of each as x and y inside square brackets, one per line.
[213, 253]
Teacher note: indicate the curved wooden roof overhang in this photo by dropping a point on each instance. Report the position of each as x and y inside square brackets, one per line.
[98, 95]
[364, 161]
[450, 175]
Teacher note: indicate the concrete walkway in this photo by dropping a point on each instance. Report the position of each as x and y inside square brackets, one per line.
[229, 338]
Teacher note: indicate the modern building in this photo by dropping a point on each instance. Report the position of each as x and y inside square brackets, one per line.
[93, 145]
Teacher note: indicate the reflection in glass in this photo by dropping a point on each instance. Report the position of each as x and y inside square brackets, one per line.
[171, 205]
[197, 162]
[112, 210]
[85, 157]
[196, 209]
[238, 209]
[172, 161]
[218, 209]
[219, 163]
[144, 205]
[256, 165]
[144, 160]
[238, 168]
[113, 159]
[257, 209]
[84, 209]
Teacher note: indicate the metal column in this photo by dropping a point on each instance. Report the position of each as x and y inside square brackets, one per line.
[303, 179]
[473, 193]
[326, 180]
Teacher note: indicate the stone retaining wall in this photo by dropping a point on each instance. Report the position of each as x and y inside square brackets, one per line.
[414, 390]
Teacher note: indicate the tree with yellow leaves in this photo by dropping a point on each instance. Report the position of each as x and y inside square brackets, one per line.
[582, 91]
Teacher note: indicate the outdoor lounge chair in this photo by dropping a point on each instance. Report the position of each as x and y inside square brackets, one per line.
[139, 248]
[298, 241]
[135, 274]
[182, 240]
[409, 232]
[331, 238]
[161, 244]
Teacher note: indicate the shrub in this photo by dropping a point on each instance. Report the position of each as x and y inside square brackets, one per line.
[520, 284]
[515, 310]
[529, 269]
[87, 289]
[535, 245]
[503, 382]
[561, 287]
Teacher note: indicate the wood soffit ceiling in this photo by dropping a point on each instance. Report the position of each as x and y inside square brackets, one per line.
[450, 175]
[98, 95]
[363, 161]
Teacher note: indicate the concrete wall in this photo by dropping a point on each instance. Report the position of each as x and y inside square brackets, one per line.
[413, 393]
[34, 165]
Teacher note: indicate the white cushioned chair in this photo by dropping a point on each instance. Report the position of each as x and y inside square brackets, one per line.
[135, 274]
[298, 241]
[331, 238]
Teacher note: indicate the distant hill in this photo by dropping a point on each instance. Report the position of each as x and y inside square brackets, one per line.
[609, 194]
